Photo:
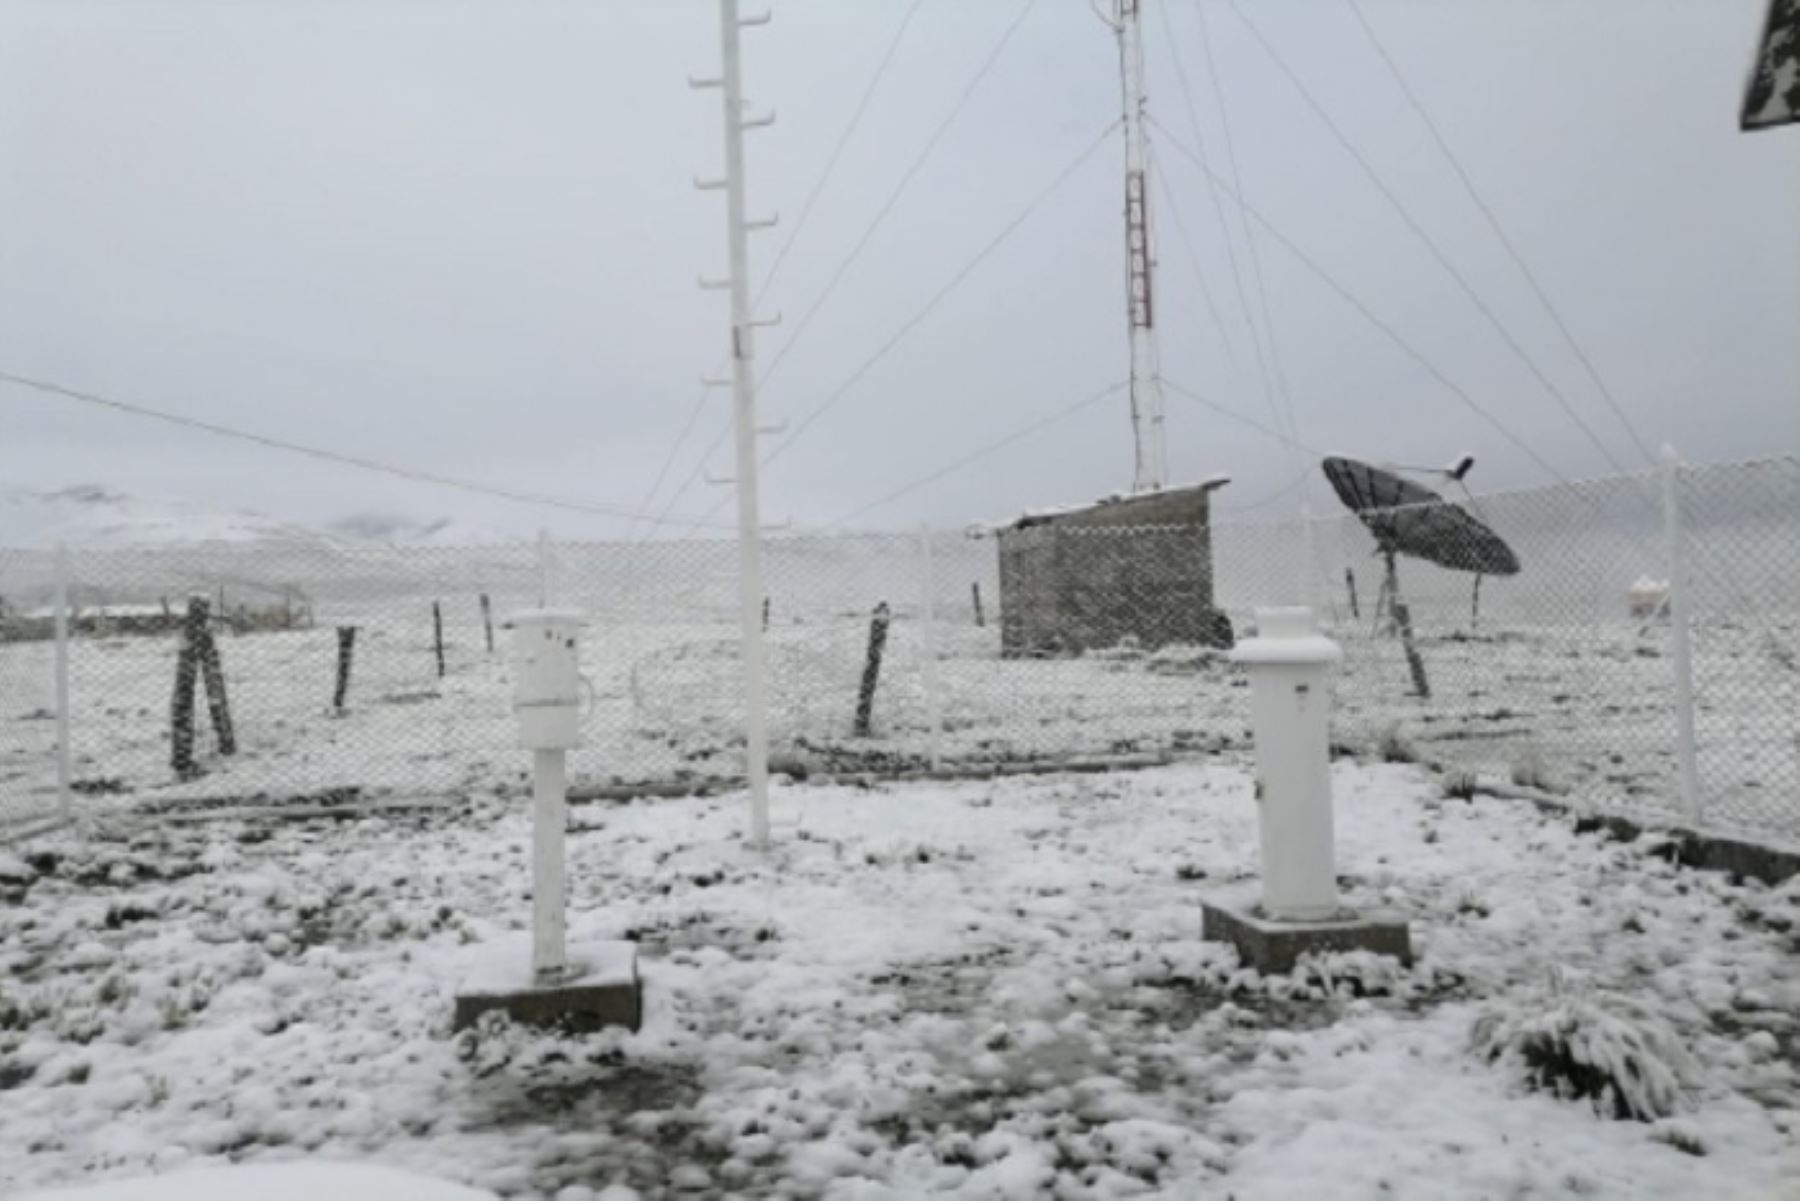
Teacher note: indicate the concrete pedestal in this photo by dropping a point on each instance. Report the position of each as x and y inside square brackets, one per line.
[1272, 947]
[600, 988]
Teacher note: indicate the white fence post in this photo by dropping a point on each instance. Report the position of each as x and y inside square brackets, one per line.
[543, 568]
[1682, 656]
[65, 803]
[928, 639]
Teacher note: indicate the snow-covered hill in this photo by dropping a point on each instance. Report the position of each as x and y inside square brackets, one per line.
[93, 517]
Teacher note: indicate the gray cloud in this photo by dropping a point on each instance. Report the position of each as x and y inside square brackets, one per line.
[461, 236]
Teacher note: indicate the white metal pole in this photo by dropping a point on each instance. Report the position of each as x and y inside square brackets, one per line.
[1682, 656]
[743, 384]
[928, 647]
[549, 794]
[64, 794]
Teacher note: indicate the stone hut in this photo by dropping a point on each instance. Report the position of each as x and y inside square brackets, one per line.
[1135, 567]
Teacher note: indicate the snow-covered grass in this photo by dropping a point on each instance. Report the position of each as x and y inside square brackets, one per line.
[983, 990]
[1571, 709]
[290, 1181]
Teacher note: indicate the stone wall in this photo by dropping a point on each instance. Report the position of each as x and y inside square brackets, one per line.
[1138, 568]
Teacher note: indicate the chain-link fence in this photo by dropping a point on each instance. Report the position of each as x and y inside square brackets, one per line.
[357, 673]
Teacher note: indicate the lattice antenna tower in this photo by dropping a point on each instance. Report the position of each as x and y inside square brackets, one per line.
[1150, 469]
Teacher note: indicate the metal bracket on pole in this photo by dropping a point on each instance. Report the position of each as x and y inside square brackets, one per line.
[769, 222]
[764, 322]
[761, 18]
[702, 84]
[709, 185]
[709, 284]
[713, 381]
[763, 122]
[773, 427]
[1686, 753]
[716, 480]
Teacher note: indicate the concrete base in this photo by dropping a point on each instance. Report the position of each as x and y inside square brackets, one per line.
[1272, 947]
[601, 989]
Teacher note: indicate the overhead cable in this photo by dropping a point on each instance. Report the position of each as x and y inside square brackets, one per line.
[1506, 242]
[1430, 244]
[982, 452]
[787, 245]
[331, 456]
[1368, 314]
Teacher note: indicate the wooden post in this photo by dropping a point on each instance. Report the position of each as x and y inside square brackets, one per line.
[975, 591]
[213, 672]
[1403, 620]
[765, 613]
[346, 649]
[865, 697]
[487, 621]
[181, 708]
[1350, 583]
[437, 635]
[1475, 605]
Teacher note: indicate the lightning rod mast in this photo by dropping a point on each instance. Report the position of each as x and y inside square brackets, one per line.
[743, 387]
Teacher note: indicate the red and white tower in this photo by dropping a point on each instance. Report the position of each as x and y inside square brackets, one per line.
[1151, 467]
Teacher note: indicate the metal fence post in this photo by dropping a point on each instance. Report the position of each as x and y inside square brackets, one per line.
[1682, 656]
[543, 568]
[65, 805]
[928, 639]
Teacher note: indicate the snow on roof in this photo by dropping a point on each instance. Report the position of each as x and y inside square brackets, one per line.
[1033, 516]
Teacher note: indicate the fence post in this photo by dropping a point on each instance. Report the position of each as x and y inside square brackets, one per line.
[64, 795]
[187, 668]
[437, 635]
[928, 639]
[865, 695]
[975, 591]
[346, 636]
[218, 706]
[487, 621]
[543, 568]
[1682, 657]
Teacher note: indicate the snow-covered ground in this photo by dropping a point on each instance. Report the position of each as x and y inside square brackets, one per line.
[1582, 710]
[984, 990]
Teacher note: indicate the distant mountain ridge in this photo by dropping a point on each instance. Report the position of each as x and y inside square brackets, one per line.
[94, 517]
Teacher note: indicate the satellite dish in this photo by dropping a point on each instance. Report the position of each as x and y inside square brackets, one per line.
[1409, 519]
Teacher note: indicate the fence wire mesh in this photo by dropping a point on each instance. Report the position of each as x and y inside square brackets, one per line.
[901, 652]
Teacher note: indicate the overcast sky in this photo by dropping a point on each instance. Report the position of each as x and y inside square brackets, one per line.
[461, 236]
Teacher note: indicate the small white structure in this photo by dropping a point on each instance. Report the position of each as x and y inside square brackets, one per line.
[1290, 666]
[592, 984]
[1648, 597]
[547, 701]
[1290, 705]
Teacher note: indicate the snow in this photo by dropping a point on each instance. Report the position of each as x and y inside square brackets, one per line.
[92, 517]
[981, 990]
[296, 1181]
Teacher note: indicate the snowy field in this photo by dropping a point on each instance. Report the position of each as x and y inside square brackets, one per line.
[984, 990]
[1585, 711]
